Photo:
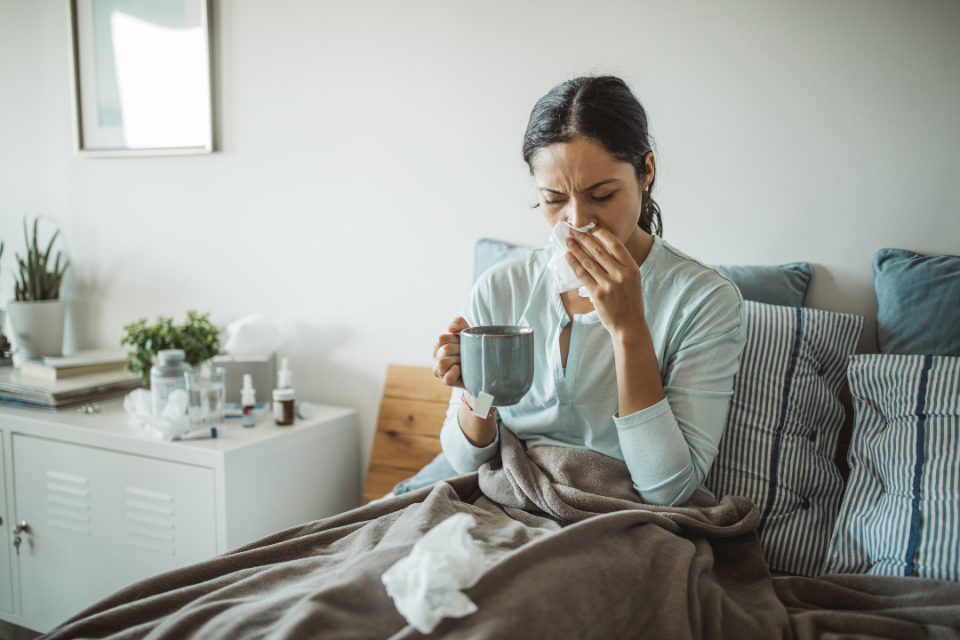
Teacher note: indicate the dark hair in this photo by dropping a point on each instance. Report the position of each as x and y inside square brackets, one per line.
[604, 109]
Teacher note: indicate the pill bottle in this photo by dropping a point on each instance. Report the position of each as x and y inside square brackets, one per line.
[283, 411]
[166, 376]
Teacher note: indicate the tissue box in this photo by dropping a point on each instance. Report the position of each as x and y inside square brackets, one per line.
[263, 370]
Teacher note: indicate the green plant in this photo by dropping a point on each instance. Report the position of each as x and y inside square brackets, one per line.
[37, 282]
[198, 337]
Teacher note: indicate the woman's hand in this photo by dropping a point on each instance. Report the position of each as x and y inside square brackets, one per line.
[446, 354]
[612, 277]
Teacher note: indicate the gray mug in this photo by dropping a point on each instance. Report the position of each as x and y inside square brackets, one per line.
[497, 360]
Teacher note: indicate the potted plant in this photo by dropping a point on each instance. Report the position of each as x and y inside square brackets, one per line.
[197, 336]
[37, 312]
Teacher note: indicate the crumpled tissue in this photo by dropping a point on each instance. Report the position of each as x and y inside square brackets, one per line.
[172, 420]
[564, 279]
[252, 335]
[426, 585]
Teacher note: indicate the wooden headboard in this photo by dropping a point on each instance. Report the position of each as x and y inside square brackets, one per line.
[412, 410]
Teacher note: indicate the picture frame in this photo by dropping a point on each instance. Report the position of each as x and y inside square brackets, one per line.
[141, 77]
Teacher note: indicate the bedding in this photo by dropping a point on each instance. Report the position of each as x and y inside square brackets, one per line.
[901, 511]
[780, 435]
[572, 552]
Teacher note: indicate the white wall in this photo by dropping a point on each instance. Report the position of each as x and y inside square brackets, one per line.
[367, 145]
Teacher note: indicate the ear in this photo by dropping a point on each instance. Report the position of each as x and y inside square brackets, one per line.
[649, 172]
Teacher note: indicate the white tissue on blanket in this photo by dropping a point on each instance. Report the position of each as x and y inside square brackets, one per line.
[426, 585]
[564, 279]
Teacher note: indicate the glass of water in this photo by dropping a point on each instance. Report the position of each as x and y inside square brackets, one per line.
[205, 391]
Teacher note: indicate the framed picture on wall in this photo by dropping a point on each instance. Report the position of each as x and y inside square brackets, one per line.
[141, 76]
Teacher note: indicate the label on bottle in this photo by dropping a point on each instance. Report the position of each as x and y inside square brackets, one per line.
[248, 419]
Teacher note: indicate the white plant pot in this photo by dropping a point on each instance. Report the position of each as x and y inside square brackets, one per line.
[37, 327]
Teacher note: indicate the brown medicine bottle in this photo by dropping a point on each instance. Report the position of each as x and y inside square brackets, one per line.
[283, 409]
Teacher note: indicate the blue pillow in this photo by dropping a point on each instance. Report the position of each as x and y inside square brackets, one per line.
[489, 252]
[439, 469]
[902, 505]
[918, 303]
[785, 285]
[780, 436]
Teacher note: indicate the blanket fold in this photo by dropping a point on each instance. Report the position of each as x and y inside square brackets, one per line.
[572, 552]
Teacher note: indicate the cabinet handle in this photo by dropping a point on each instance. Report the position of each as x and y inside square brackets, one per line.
[23, 527]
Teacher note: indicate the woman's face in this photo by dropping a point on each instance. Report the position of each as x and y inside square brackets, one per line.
[579, 182]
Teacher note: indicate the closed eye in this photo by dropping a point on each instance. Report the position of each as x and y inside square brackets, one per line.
[604, 198]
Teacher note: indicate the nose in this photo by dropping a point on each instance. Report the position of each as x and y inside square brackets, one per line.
[577, 213]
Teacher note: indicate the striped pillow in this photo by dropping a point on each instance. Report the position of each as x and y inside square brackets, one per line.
[901, 512]
[781, 432]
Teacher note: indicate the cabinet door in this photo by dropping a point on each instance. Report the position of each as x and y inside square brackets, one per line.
[100, 520]
[6, 579]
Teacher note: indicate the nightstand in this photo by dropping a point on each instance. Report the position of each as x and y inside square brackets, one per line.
[106, 504]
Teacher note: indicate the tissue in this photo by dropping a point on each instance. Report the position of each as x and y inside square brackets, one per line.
[564, 279]
[172, 420]
[251, 335]
[426, 585]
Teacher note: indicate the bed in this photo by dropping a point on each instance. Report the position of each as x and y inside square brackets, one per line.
[569, 550]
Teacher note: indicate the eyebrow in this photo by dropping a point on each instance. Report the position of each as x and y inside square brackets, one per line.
[590, 188]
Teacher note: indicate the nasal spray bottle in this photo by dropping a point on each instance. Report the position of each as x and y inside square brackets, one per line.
[283, 395]
[248, 402]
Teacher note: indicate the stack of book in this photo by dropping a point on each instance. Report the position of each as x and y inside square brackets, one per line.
[51, 383]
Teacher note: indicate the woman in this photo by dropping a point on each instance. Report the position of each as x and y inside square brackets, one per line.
[642, 369]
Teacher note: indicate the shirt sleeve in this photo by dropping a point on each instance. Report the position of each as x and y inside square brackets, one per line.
[463, 456]
[670, 446]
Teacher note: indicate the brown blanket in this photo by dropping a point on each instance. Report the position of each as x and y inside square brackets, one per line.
[574, 552]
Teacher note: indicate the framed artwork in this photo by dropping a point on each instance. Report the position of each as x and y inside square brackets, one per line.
[141, 76]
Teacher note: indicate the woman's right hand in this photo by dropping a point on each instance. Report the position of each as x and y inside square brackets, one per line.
[446, 354]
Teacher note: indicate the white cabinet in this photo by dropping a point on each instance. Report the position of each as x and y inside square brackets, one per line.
[107, 505]
[100, 520]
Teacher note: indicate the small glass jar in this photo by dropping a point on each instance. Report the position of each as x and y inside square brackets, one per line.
[283, 406]
[205, 391]
[167, 376]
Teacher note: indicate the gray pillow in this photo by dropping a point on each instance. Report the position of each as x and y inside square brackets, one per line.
[785, 285]
[918, 303]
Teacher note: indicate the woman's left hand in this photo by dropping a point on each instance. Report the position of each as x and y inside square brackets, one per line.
[612, 277]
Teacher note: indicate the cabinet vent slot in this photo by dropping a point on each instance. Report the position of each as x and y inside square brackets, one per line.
[143, 493]
[70, 491]
[66, 477]
[68, 502]
[150, 523]
[150, 533]
[150, 546]
[68, 514]
[136, 504]
[157, 522]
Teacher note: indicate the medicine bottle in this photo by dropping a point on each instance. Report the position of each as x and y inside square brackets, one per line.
[283, 410]
[248, 402]
[166, 376]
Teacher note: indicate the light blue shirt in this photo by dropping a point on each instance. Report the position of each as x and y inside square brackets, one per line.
[695, 317]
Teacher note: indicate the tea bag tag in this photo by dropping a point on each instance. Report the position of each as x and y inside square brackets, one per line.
[482, 407]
